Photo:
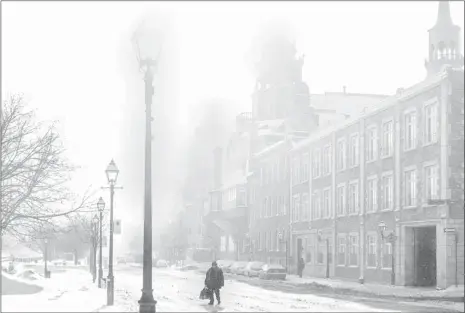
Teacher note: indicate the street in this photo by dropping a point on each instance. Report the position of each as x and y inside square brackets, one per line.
[178, 291]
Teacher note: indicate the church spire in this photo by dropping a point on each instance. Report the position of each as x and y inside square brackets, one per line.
[444, 42]
[444, 18]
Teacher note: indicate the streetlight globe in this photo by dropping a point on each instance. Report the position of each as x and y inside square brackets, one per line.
[112, 172]
[382, 226]
[95, 219]
[100, 204]
[147, 41]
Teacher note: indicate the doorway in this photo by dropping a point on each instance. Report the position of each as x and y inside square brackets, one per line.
[425, 256]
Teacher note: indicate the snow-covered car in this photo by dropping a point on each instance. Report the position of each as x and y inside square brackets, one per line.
[272, 271]
[162, 263]
[252, 269]
[189, 267]
[59, 262]
[236, 267]
[225, 265]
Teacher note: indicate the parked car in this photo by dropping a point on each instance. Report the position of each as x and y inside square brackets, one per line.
[252, 269]
[189, 267]
[272, 271]
[236, 267]
[162, 263]
[227, 268]
[224, 263]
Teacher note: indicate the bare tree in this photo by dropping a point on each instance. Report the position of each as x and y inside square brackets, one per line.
[87, 229]
[34, 172]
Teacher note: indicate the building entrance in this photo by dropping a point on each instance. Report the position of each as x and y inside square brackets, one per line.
[424, 256]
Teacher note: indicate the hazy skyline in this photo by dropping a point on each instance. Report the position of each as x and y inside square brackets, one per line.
[66, 57]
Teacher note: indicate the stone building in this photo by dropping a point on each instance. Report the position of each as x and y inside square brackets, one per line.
[383, 201]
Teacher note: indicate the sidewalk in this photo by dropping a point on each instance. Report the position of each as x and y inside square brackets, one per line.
[70, 291]
[454, 294]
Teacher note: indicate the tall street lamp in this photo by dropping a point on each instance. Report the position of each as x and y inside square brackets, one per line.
[45, 258]
[147, 43]
[391, 238]
[94, 246]
[100, 206]
[112, 175]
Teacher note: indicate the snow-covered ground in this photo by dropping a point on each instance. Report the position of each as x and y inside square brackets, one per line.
[70, 291]
[178, 291]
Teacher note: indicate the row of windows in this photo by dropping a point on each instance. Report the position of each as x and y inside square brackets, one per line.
[276, 172]
[348, 195]
[348, 154]
[377, 254]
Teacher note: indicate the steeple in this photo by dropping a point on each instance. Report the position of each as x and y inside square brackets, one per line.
[444, 18]
[444, 42]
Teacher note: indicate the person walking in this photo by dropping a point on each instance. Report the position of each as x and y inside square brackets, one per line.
[300, 267]
[214, 281]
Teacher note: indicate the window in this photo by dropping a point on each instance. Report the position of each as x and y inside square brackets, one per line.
[371, 250]
[371, 143]
[282, 205]
[340, 199]
[387, 192]
[259, 240]
[410, 187]
[354, 150]
[431, 182]
[341, 250]
[353, 250]
[327, 160]
[304, 213]
[430, 123]
[296, 171]
[231, 244]
[296, 208]
[372, 194]
[386, 261]
[316, 205]
[321, 251]
[273, 206]
[316, 161]
[263, 210]
[388, 139]
[278, 171]
[353, 197]
[268, 241]
[305, 169]
[341, 154]
[410, 135]
[223, 243]
[277, 240]
[326, 203]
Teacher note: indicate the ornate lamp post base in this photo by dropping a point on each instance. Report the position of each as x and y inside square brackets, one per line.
[147, 304]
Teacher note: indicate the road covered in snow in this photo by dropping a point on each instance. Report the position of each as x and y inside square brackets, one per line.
[178, 291]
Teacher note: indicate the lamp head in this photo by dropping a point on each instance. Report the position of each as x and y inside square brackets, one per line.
[147, 41]
[112, 172]
[382, 226]
[100, 204]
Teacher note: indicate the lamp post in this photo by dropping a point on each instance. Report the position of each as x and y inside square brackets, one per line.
[100, 206]
[147, 44]
[320, 238]
[112, 175]
[391, 238]
[45, 257]
[94, 246]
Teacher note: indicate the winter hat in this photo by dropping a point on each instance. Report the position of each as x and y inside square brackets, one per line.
[214, 263]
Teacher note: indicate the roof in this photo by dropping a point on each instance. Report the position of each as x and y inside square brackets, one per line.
[388, 102]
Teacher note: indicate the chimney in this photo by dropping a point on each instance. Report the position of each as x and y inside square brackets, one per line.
[217, 167]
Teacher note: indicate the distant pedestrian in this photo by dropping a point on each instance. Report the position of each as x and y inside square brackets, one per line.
[300, 266]
[214, 281]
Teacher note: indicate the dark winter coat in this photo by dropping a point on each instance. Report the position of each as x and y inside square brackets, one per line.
[214, 278]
